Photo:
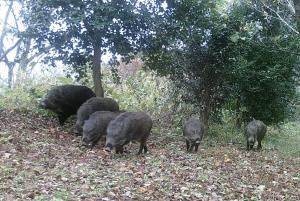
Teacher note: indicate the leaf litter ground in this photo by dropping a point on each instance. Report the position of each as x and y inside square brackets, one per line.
[41, 161]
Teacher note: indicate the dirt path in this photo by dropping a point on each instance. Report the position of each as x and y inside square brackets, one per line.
[41, 161]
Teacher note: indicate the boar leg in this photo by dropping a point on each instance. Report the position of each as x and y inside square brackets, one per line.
[187, 145]
[191, 147]
[119, 150]
[259, 145]
[143, 147]
[62, 119]
[248, 146]
[196, 147]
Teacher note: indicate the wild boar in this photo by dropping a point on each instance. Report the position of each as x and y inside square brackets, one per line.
[65, 100]
[193, 132]
[95, 127]
[255, 131]
[129, 126]
[92, 105]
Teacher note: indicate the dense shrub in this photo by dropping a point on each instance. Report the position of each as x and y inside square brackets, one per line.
[26, 95]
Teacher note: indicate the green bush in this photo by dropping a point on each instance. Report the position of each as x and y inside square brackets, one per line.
[145, 91]
[26, 95]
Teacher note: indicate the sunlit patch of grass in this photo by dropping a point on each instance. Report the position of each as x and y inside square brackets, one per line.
[202, 178]
[224, 134]
[40, 198]
[5, 137]
[193, 155]
[7, 172]
[61, 195]
[285, 139]
[154, 161]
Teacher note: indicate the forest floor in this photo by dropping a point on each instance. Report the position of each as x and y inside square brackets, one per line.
[40, 160]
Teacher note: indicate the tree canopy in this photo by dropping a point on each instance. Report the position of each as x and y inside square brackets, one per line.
[82, 31]
[215, 53]
[218, 53]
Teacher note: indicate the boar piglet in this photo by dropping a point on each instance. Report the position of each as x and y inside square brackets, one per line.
[129, 126]
[92, 105]
[95, 127]
[193, 132]
[255, 131]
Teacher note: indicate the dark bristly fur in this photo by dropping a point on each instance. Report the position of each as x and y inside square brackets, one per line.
[95, 127]
[92, 105]
[193, 132]
[255, 131]
[129, 126]
[66, 99]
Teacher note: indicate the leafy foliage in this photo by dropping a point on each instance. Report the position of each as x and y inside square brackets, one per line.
[215, 52]
[191, 46]
[26, 95]
[82, 31]
[265, 70]
[73, 27]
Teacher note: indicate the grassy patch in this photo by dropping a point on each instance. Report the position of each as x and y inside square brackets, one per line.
[224, 134]
[5, 137]
[285, 139]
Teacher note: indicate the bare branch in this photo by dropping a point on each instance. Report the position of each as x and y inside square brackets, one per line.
[16, 19]
[290, 5]
[297, 12]
[5, 25]
[5, 53]
[280, 18]
[24, 60]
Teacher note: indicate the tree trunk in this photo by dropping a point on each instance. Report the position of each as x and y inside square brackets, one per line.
[204, 117]
[4, 29]
[297, 12]
[97, 77]
[206, 100]
[10, 76]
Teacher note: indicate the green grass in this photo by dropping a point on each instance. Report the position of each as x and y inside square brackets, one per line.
[285, 139]
[5, 136]
[225, 134]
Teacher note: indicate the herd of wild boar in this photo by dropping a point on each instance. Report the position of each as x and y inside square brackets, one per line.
[98, 117]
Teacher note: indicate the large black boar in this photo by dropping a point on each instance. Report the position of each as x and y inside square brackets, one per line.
[66, 99]
[193, 132]
[95, 127]
[129, 126]
[92, 105]
[255, 131]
